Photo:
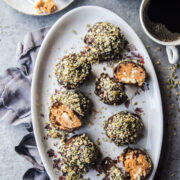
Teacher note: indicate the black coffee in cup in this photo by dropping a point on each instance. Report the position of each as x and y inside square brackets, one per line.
[162, 19]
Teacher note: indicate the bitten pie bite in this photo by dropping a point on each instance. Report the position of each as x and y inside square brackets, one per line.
[137, 163]
[110, 90]
[47, 6]
[130, 72]
[112, 172]
[68, 109]
[79, 154]
[105, 41]
[72, 70]
[124, 128]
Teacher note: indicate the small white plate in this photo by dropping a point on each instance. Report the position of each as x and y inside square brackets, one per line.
[24, 6]
[61, 38]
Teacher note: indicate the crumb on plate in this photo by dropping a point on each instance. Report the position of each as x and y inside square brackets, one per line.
[47, 6]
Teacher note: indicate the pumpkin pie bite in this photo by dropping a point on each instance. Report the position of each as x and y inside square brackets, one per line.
[72, 70]
[67, 110]
[124, 128]
[79, 154]
[112, 172]
[130, 72]
[105, 41]
[137, 163]
[110, 90]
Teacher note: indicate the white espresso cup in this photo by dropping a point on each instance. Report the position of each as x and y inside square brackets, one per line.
[171, 49]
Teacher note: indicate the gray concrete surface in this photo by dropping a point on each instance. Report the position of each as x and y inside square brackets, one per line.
[13, 27]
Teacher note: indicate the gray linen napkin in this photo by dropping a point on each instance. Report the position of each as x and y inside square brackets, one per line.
[15, 93]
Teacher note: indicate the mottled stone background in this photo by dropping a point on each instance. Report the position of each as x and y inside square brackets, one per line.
[13, 27]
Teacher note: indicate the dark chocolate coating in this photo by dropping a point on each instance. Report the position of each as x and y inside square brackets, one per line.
[109, 90]
[105, 41]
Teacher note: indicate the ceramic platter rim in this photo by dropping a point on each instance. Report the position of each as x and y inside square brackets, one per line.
[156, 125]
[27, 8]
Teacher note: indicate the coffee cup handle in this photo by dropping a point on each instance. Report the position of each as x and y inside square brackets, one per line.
[172, 54]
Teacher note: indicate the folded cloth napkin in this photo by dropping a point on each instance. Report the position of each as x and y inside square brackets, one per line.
[15, 101]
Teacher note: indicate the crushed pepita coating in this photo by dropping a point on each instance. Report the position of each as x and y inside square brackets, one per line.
[110, 90]
[79, 154]
[112, 172]
[124, 128]
[72, 70]
[105, 41]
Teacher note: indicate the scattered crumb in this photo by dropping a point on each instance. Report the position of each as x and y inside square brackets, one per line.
[158, 62]
[74, 31]
[135, 103]
[105, 139]
[47, 6]
[104, 68]
[172, 174]
[139, 111]
[50, 152]
[159, 49]
[88, 25]
[127, 103]
[42, 115]
[55, 135]
[172, 106]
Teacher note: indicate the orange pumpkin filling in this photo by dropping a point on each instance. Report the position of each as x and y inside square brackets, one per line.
[64, 118]
[136, 165]
[130, 73]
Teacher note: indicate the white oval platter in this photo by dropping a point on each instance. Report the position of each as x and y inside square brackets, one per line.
[61, 40]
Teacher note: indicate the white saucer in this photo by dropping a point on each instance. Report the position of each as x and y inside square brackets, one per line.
[24, 6]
